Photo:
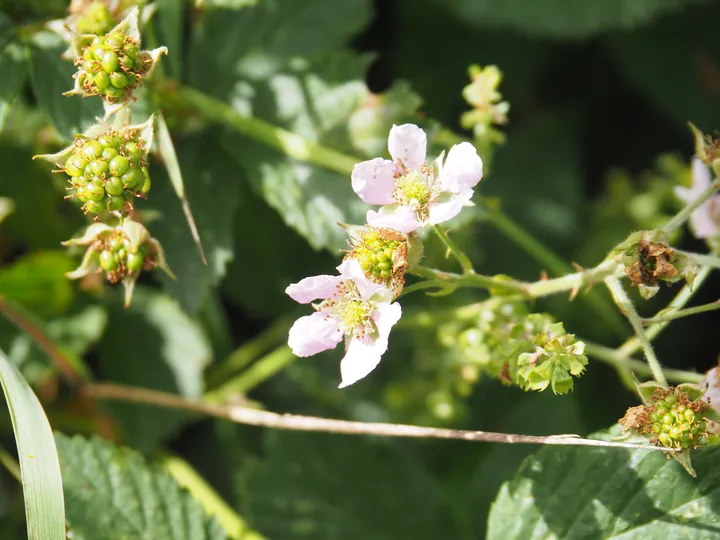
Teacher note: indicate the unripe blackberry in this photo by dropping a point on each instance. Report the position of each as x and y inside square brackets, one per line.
[677, 422]
[118, 258]
[112, 66]
[669, 418]
[100, 170]
[382, 254]
[107, 168]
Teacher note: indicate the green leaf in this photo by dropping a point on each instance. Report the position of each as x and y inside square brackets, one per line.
[114, 494]
[214, 194]
[289, 260]
[530, 414]
[153, 344]
[12, 77]
[559, 18]
[314, 102]
[259, 39]
[39, 466]
[38, 282]
[272, 62]
[51, 76]
[171, 21]
[330, 486]
[576, 492]
[38, 219]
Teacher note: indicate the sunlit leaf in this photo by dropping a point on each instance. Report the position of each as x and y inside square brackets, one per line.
[575, 492]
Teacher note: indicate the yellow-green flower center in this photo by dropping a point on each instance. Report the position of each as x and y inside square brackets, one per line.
[375, 255]
[353, 314]
[413, 190]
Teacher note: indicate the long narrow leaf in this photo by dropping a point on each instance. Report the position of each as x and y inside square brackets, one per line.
[39, 464]
[169, 158]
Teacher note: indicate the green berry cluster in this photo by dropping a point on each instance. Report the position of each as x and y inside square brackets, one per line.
[107, 172]
[382, 254]
[118, 259]
[96, 19]
[677, 422]
[112, 66]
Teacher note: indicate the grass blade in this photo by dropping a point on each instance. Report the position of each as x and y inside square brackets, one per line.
[39, 464]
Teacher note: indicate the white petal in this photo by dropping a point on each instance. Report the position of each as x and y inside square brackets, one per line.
[401, 219]
[462, 169]
[313, 288]
[351, 269]
[313, 334]
[363, 355]
[408, 144]
[443, 211]
[373, 181]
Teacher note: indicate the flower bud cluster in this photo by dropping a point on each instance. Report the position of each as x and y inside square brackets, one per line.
[488, 108]
[504, 340]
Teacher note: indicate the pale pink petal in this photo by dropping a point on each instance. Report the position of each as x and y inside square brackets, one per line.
[314, 288]
[351, 269]
[313, 334]
[443, 211]
[712, 393]
[401, 219]
[407, 144]
[373, 181]
[701, 180]
[462, 170]
[364, 354]
[703, 220]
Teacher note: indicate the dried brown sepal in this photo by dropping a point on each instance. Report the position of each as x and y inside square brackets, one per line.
[652, 264]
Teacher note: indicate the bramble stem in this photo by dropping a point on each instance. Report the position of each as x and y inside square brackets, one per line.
[463, 259]
[255, 417]
[248, 352]
[445, 280]
[683, 215]
[628, 309]
[713, 261]
[256, 374]
[287, 142]
[682, 298]
[575, 281]
[672, 315]
[613, 358]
